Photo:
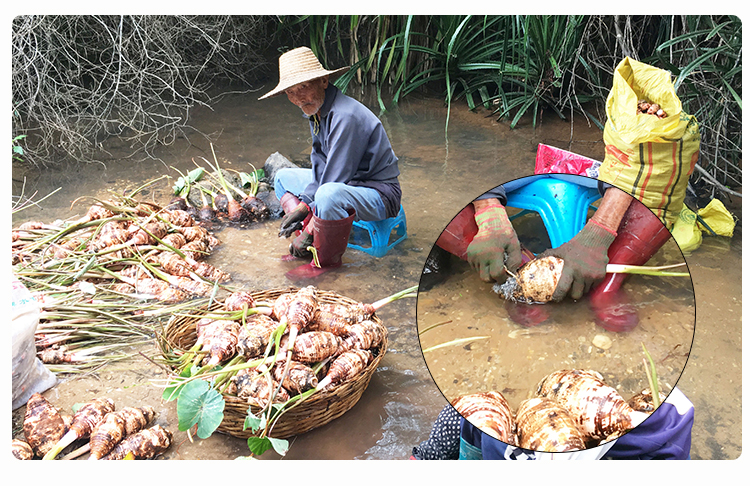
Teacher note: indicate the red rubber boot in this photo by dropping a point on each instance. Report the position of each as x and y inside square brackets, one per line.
[639, 237]
[330, 239]
[456, 237]
[288, 202]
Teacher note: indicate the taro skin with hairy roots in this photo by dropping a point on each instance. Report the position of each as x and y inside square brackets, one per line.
[489, 412]
[116, 426]
[534, 283]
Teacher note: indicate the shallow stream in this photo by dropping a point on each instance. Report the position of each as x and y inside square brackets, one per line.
[439, 175]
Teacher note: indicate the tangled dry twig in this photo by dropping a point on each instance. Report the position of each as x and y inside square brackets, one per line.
[78, 80]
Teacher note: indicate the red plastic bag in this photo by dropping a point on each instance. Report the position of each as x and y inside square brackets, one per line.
[552, 160]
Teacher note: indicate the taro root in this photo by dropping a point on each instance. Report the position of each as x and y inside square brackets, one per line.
[345, 367]
[117, 425]
[21, 450]
[218, 339]
[280, 305]
[325, 320]
[644, 401]
[299, 312]
[255, 335]
[97, 211]
[256, 207]
[315, 346]
[175, 240]
[238, 300]
[299, 379]
[543, 425]
[535, 282]
[43, 426]
[84, 422]
[177, 204]
[598, 409]
[150, 288]
[364, 335]
[145, 444]
[258, 388]
[489, 412]
[646, 107]
[178, 217]
[221, 202]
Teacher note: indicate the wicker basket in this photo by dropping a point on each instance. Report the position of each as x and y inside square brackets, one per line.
[321, 408]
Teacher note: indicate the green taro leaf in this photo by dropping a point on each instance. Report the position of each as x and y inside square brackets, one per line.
[183, 182]
[252, 422]
[258, 445]
[200, 404]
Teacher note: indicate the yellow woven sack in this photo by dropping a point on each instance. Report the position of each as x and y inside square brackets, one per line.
[647, 156]
[685, 231]
[718, 218]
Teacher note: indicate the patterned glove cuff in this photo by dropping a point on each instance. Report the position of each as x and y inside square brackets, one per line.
[492, 216]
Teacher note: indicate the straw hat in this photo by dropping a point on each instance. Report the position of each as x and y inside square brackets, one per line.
[297, 66]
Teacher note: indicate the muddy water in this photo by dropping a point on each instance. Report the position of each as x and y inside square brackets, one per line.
[439, 176]
[512, 357]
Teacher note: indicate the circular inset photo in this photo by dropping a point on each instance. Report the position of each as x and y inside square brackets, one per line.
[556, 313]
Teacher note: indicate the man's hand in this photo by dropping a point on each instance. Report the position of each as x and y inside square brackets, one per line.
[495, 246]
[294, 221]
[299, 244]
[585, 255]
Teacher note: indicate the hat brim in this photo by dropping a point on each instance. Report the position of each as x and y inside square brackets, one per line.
[287, 83]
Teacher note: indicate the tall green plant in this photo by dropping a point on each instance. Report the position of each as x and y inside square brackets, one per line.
[523, 64]
[544, 49]
[706, 59]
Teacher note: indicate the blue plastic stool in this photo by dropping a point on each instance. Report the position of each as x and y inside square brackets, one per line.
[380, 234]
[563, 205]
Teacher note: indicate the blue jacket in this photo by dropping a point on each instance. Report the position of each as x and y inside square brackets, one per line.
[351, 146]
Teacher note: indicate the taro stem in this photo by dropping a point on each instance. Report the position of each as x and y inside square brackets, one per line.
[653, 380]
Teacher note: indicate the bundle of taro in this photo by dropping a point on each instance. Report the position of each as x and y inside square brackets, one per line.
[106, 434]
[216, 195]
[270, 352]
[570, 410]
[321, 345]
[139, 249]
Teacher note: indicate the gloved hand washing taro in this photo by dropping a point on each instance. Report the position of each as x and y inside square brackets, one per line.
[573, 267]
[570, 269]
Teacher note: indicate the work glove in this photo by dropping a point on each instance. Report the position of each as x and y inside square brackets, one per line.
[294, 221]
[585, 257]
[300, 243]
[495, 246]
